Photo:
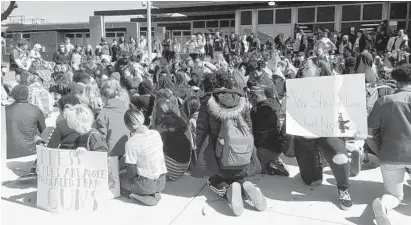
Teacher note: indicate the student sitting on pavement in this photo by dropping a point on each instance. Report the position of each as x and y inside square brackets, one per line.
[146, 169]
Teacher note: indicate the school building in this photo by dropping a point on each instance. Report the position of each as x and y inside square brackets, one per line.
[182, 19]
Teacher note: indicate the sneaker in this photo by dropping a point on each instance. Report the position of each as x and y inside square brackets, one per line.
[149, 200]
[380, 212]
[345, 199]
[157, 196]
[278, 167]
[356, 161]
[235, 199]
[255, 196]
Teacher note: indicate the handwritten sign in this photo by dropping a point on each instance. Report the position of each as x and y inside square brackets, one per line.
[333, 106]
[69, 182]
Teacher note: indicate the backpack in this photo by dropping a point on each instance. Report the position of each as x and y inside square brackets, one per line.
[235, 143]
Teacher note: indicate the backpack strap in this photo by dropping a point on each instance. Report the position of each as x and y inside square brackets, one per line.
[88, 140]
[393, 45]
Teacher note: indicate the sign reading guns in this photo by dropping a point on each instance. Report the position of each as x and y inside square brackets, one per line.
[332, 106]
[71, 182]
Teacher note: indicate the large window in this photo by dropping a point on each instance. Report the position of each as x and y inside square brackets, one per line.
[372, 12]
[225, 23]
[325, 14]
[246, 18]
[199, 24]
[306, 15]
[212, 24]
[266, 16]
[351, 12]
[282, 16]
[398, 10]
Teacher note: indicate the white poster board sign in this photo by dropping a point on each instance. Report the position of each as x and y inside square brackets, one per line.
[332, 106]
[69, 182]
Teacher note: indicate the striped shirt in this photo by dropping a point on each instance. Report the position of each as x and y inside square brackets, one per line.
[146, 152]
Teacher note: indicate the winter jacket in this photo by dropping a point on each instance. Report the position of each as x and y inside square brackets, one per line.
[266, 126]
[62, 136]
[110, 123]
[389, 124]
[221, 104]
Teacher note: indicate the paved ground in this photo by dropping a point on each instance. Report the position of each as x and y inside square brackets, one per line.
[188, 201]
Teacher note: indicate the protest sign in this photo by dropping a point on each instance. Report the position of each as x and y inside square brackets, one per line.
[69, 182]
[332, 106]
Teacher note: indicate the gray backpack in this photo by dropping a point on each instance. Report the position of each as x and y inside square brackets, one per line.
[235, 144]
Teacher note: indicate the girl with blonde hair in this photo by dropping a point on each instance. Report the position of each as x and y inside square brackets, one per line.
[80, 118]
[144, 157]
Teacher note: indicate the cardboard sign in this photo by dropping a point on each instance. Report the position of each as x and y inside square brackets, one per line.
[69, 182]
[332, 106]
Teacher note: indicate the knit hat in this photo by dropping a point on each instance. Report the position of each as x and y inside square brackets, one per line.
[20, 93]
[116, 76]
[145, 87]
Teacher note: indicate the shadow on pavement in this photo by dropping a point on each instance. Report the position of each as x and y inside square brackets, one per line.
[26, 199]
[186, 186]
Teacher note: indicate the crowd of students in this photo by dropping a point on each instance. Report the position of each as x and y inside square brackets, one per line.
[218, 113]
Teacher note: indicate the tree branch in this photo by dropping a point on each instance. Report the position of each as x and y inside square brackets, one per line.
[13, 5]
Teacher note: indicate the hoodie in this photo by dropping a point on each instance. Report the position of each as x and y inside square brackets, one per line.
[110, 123]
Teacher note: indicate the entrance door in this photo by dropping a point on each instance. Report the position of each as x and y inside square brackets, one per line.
[182, 36]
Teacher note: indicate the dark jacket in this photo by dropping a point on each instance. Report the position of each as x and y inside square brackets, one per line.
[24, 122]
[266, 126]
[92, 141]
[175, 143]
[62, 136]
[60, 58]
[145, 104]
[215, 107]
[389, 124]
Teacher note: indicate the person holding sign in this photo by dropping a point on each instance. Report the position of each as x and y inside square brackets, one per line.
[333, 149]
[146, 168]
[389, 124]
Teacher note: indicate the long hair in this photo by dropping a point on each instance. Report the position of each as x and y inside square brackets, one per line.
[111, 88]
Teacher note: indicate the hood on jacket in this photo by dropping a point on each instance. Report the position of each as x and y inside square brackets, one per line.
[226, 104]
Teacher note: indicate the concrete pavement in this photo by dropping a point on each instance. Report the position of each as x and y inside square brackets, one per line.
[188, 201]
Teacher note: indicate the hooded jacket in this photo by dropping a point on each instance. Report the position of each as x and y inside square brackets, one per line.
[110, 123]
[221, 104]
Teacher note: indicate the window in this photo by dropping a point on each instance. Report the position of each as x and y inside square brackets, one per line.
[212, 23]
[265, 17]
[120, 34]
[70, 35]
[225, 23]
[351, 12]
[87, 35]
[110, 35]
[246, 18]
[186, 33]
[325, 14]
[26, 36]
[232, 22]
[198, 24]
[398, 10]
[306, 15]
[282, 16]
[372, 12]
[79, 35]
[9, 36]
[176, 33]
[143, 33]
